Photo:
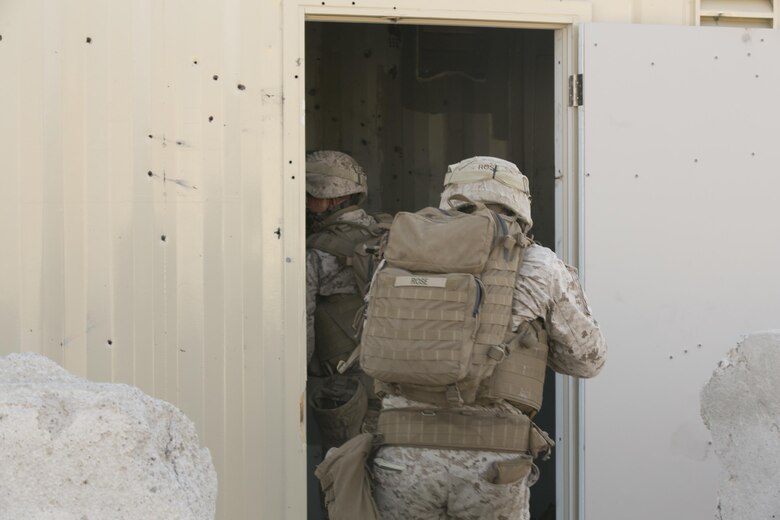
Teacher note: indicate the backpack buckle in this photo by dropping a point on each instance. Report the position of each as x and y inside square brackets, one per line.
[498, 353]
[453, 395]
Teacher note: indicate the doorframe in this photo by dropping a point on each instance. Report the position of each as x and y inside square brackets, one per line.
[563, 18]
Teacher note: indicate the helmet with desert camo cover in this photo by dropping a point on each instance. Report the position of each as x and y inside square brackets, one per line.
[332, 174]
[489, 180]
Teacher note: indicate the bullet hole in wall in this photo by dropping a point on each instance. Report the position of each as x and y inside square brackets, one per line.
[149, 173]
[109, 342]
[151, 136]
[163, 238]
[241, 87]
[89, 39]
[215, 77]
[211, 118]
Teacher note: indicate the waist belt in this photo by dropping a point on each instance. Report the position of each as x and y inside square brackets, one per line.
[461, 429]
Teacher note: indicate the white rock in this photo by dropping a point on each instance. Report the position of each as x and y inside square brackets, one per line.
[740, 406]
[73, 449]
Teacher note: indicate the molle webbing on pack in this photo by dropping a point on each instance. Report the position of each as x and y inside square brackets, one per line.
[436, 337]
[461, 429]
[519, 379]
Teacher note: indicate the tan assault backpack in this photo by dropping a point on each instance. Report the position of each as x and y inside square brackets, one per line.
[438, 326]
[358, 246]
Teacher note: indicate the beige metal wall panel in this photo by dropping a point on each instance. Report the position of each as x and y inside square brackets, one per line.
[140, 201]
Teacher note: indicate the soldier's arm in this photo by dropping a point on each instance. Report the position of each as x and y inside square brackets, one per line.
[312, 288]
[547, 289]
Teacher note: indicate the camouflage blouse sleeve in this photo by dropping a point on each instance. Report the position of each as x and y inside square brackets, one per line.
[312, 288]
[546, 288]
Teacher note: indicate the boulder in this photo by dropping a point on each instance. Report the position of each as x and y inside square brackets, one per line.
[74, 449]
[740, 406]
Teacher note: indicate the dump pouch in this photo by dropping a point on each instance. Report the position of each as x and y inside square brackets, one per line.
[345, 480]
[339, 405]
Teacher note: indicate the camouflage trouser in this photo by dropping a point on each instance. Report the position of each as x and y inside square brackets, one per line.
[430, 484]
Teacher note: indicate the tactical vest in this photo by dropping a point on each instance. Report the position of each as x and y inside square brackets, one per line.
[438, 327]
[357, 246]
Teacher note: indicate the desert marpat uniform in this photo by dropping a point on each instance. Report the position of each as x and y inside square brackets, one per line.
[545, 289]
[423, 483]
[326, 275]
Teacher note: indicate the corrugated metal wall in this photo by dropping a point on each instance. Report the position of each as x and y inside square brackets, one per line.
[137, 210]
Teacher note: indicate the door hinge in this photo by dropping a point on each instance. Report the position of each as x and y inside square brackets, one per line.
[575, 90]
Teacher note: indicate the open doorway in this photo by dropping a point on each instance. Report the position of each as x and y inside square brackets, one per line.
[406, 101]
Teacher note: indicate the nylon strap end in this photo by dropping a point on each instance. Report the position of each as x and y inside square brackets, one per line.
[343, 366]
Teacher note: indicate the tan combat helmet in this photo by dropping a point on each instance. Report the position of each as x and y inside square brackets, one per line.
[331, 174]
[491, 181]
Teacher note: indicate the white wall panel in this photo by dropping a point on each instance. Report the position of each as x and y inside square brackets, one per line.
[681, 248]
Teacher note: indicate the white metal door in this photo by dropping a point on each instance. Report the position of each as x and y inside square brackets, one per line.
[680, 235]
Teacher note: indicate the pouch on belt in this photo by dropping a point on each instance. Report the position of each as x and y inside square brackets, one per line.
[339, 406]
[346, 482]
